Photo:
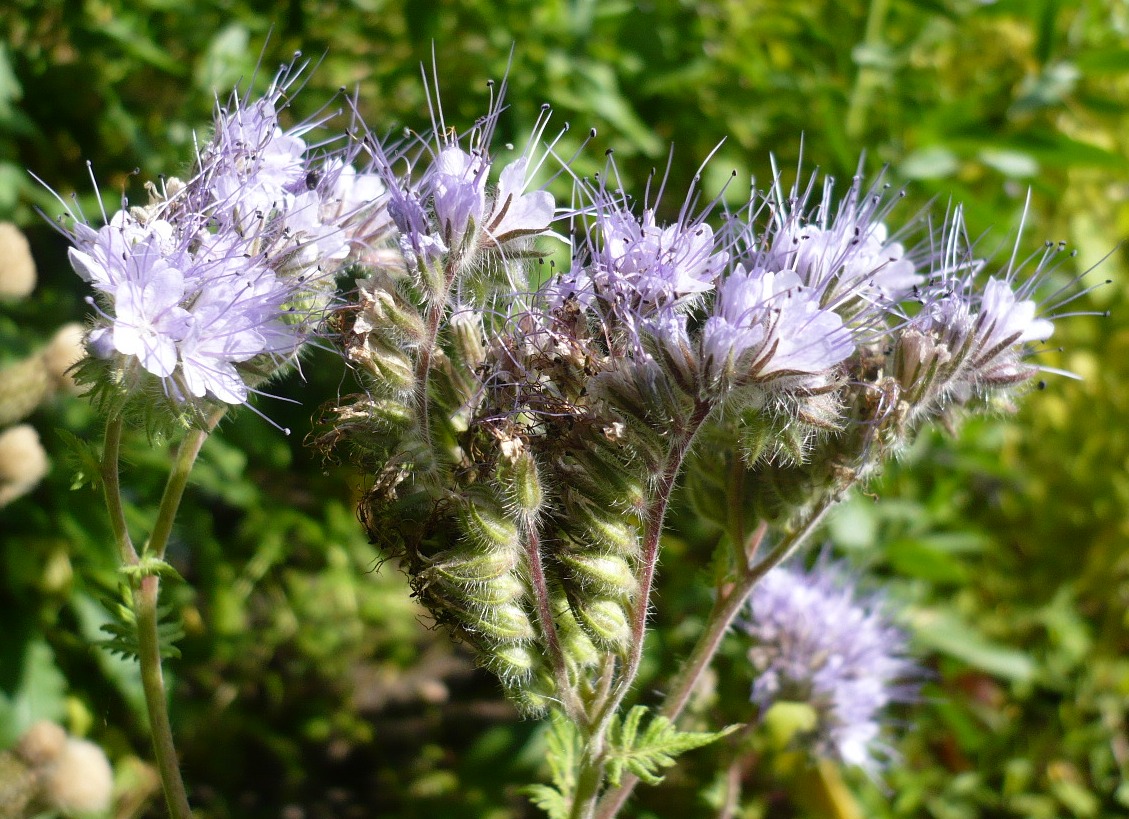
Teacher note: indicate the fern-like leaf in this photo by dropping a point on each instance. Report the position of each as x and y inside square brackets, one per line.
[84, 460]
[122, 628]
[645, 754]
[563, 755]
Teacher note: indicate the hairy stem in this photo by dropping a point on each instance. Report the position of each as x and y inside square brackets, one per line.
[112, 491]
[568, 696]
[156, 701]
[427, 349]
[591, 773]
[725, 610]
[178, 479]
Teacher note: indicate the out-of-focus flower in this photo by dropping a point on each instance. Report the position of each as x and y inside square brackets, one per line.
[17, 267]
[816, 641]
[23, 462]
[79, 780]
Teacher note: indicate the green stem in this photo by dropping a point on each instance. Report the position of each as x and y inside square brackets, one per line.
[725, 610]
[867, 79]
[591, 774]
[111, 489]
[145, 594]
[178, 480]
[152, 681]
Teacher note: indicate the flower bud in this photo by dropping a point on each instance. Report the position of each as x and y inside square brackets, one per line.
[512, 663]
[466, 569]
[488, 529]
[605, 621]
[522, 483]
[507, 623]
[577, 647]
[604, 574]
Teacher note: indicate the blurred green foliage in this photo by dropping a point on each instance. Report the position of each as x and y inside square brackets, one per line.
[310, 685]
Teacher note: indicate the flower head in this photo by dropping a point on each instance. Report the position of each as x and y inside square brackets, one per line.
[816, 642]
[218, 280]
[768, 325]
[843, 253]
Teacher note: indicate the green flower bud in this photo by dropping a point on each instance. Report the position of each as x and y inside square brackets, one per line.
[505, 588]
[463, 569]
[522, 483]
[488, 529]
[615, 533]
[603, 574]
[605, 621]
[577, 647]
[507, 623]
[512, 663]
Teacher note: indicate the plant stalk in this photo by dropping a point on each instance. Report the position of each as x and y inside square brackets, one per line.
[152, 681]
[725, 610]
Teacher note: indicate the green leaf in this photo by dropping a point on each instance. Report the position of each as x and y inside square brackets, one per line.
[39, 692]
[84, 458]
[563, 755]
[946, 633]
[656, 748]
[122, 628]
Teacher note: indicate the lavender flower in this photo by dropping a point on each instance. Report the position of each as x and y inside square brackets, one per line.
[846, 257]
[970, 339]
[644, 267]
[767, 325]
[815, 642]
[219, 280]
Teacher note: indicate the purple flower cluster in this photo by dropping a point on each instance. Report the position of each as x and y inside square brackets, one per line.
[233, 266]
[443, 206]
[815, 641]
[780, 302]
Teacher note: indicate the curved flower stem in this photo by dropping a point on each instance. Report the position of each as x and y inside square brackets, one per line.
[725, 609]
[112, 491]
[178, 479]
[146, 591]
[569, 698]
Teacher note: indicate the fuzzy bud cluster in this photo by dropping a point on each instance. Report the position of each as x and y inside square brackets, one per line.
[519, 426]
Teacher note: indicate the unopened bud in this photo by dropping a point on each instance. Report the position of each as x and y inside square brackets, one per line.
[508, 623]
[466, 569]
[606, 623]
[523, 484]
[512, 662]
[488, 529]
[603, 574]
